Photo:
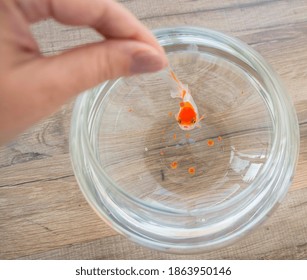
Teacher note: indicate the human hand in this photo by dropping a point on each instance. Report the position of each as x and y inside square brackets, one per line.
[33, 86]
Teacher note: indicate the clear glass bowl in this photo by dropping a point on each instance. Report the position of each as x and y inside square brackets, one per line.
[187, 191]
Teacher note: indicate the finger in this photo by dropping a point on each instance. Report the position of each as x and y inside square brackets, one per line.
[108, 17]
[60, 77]
[89, 65]
[56, 79]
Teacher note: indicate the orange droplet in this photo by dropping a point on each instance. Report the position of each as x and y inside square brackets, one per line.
[210, 143]
[170, 114]
[191, 170]
[175, 136]
[219, 138]
[174, 164]
[187, 135]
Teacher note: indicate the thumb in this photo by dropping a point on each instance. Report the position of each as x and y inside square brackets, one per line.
[48, 82]
[87, 66]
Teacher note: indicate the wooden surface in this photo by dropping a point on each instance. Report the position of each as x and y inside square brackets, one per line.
[43, 214]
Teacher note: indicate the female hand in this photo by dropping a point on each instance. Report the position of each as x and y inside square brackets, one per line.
[33, 86]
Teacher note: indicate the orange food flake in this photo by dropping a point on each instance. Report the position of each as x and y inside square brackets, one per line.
[187, 135]
[219, 138]
[175, 136]
[191, 170]
[170, 114]
[130, 110]
[162, 153]
[174, 164]
[210, 143]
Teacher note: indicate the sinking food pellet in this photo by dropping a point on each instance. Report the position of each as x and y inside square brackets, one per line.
[191, 170]
[210, 143]
[174, 164]
[219, 138]
[175, 136]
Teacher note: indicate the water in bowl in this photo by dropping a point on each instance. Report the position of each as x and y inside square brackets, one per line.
[144, 152]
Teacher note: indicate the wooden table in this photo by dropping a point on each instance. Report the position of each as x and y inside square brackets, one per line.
[43, 214]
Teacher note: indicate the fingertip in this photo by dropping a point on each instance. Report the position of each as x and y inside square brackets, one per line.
[148, 61]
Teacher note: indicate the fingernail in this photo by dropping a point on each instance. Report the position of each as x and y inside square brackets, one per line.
[144, 62]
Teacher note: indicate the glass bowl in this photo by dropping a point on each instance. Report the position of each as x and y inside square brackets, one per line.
[187, 191]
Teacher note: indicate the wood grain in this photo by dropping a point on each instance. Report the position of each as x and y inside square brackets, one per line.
[43, 214]
[267, 242]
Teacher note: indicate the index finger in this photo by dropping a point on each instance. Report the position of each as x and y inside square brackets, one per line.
[108, 17]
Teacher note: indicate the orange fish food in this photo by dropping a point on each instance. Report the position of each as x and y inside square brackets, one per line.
[191, 170]
[210, 142]
[174, 165]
